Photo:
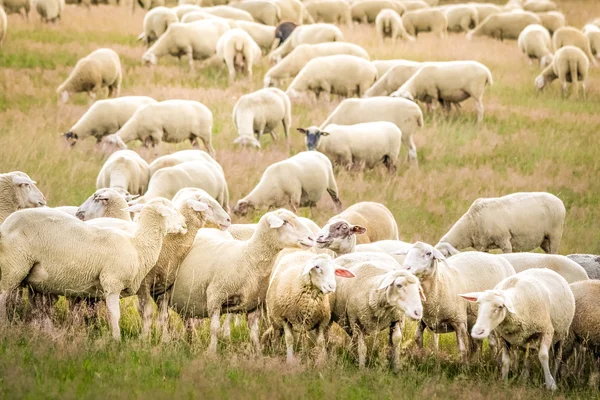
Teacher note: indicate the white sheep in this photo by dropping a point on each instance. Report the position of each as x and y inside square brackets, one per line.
[261, 34]
[50, 10]
[3, 25]
[592, 32]
[569, 64]
[366, 144]
[183, 9]
[16, 6]
[568, 269]
[239, 52]
[484, 10]
[291, 65]
[505, 25]
[156, 22]
[108, 263]
[104, 203]
[425, 20]
[261, 112]
[18, 191]
[505, 223]
[307, 34]
[406, 114]
[535, 42]
[532, 309]
[394, 77]
[366, 11]
[229, 12]
[262, 11]
[293, 11]
[461, 17]
[172, 121]
[589, 262]
[414, 4]
[245, 231]
[126, 172]
[101, 68]
[180, 157]
[194, 16]
[105, 117]
[339, 74]
[330, 11]
[196, 40]
[298, 181]
[448, 82]
[569, 36]
[538, 6]
[298, 297]
[552, 20]
[389, 24]
[385, 65]
[389, 247]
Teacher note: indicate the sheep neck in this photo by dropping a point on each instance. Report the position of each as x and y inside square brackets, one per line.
[115, 210]
[8, 199]
[457, 235]
[262, 248]
[148, 240]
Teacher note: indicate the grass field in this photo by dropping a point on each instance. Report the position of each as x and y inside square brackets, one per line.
[528, 141]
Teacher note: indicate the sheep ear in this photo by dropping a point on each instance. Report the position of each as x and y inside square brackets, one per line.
[198, 206]
[357, 229]
[447, 247]
[438, 255]
[22, 180]
[141, 36]
[402, 252]
[130, 197]
[509, 305]
[165, 211]
[274, 221]
[308, 267]
[344, 272]
[302, 131]
[421, 293]
[473, 297]
[387, 280]
[136, 208]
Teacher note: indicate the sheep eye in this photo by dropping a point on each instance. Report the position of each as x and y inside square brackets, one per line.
[399, 285]
[428, 254]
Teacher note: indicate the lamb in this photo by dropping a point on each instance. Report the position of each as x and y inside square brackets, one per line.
[116, 263]
[539, 6]
[262, 11]
[239, 52]
[220, 275]
[299, 181]
[570, 64]
[366, 144]
[425, 20]
[101, 68]
[196, 40]
[443, 279]
[568, 269]
[389, 24]
[50, 10]
[307, 34]
[450, 82]
[505, 223]
[589, 262]
[461, 17]
[16, 6]
[484, 10]
[291, 65]
[534, 304]
[404, 113]
[180, 157]
[104, 203]
[535, 42]
[339, 74]
[156, 22]
[552, 20]
[366, 11]
[569, 36]
[298, 297]
[229, 12]
[393, 78]
[3, 25]
[172, 121]
[505, 25]
[261, 34]
[18, 191]
[330, 11]
[245, 231]
[105, 117]
[592, 32]
[282, 32]
[126, 172]
[260, 112]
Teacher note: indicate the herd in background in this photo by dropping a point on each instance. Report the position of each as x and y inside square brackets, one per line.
[162, 231]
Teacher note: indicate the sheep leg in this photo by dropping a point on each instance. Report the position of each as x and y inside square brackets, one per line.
[215, 324]
[419, 334]
[145, 310]
[226, 332]
[524, 377]
[412, 150]
[163, 315]
[479, 108]
[545, 343]
[322, 350]
[395, 339]
[462, 338]
[505, 359]
[114, 314]
[189, 52]
[558, 352]
[362, 349]
[208, 146]
[254, 324]
[436, 341]
[289, 342]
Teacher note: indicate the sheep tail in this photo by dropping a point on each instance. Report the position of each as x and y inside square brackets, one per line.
[490, 80]
[573, 70]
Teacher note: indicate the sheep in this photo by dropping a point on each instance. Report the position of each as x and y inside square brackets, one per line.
[568, 269]
[156, 22]
[194, 16]
[262, 11]
[126, 172]
[261, 34]
[539, 6]
[291, 65]
[592, 32]
[535, 43]
[196, 40]
[172, 121]
[425, 20]
[245, 231]
[414, 4]
[101, 68]
[298, 297]
[484, 10]
[533, 308]
[450, 82]
[366, 11]
[3, 25]
[49, 10]
[389, 247]
[364, 144]
[505, 25]
[505, 223]
[18, 191]
[260, 112]
[552, 20]
[180, 157]
[589, 262]
[220, 275]
[393, 78]
[16, 6]
[307, 34]
[389, 24]
[330, 11]
[404, 113]
[385, 65]
[299, 181]
[569, 36]
[339, 74]
[461, 17]
[105, 117]
[293, 10]
[183, 9]
[104, 203]
[229, 12]
[71, 210]
[282, 32]
[569, 64]
[239, 52]
[376, 299]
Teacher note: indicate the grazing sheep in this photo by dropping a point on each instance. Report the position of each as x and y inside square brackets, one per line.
[3, 25]
[535, 43]
[172, 121]
[196, 40]
[589, 262]
[552, 20]
[569, 36]
[18, 191]
[532, 309]
[298, 297]
[105, 117]
[414, 4]
[282, 32]
[384, 66]
[298, 181]
[461, 17]
[229, 12]
[260, 112]
[568, 269]
[16, 6]
[389, 24]
[291, 65]
[330, 11]
[261, 34]
[239, 52]
[126, 172]
[425, 20]
[245, 231]
[101, 68]
[262, 11]
[505, 223]
[538, 6]
[156, 22]
[294, 10]
[194, 16]
[406, 114]
[180, 157]
[505, 25]
[104, 203]
[339, 74]
[307, 34]
[484, 10]
[50, 10]
[366, 144]
[569, 64]
[393, 78]
[592, 32]
[183, 9]
[366, 11]
[220, 275]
